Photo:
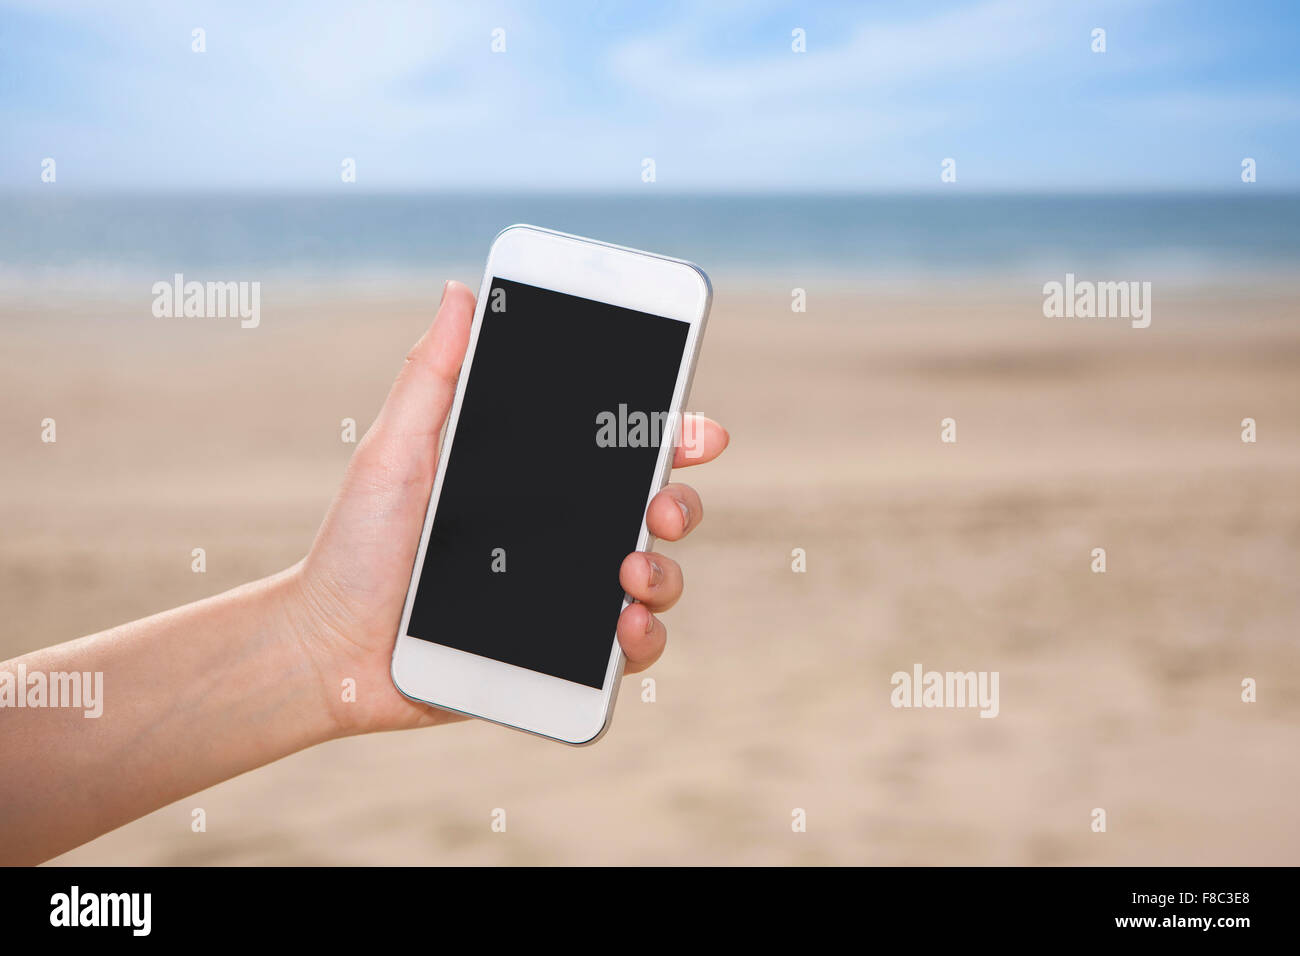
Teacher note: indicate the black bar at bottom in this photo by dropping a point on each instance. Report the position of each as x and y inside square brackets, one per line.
[331, 906]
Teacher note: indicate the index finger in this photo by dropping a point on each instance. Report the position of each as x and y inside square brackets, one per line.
[702, 439]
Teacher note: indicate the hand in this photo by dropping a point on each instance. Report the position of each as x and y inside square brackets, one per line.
[350, 589]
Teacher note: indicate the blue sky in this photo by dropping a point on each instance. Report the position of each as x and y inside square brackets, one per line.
[712, 92]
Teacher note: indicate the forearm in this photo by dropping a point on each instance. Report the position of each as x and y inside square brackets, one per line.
[191, 697]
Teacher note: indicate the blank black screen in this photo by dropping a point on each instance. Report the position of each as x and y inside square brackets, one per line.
[526, 475]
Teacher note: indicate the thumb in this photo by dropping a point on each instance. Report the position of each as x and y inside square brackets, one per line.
[373, 526]
[419, 401]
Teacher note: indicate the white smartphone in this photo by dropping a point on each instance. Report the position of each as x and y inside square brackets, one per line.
[566, 415]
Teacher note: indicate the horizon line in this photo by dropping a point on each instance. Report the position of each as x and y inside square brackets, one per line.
[479, 192]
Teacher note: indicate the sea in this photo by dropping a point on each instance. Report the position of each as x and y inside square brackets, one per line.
[52, 236]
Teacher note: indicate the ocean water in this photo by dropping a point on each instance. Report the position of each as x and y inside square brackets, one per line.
[58, 236]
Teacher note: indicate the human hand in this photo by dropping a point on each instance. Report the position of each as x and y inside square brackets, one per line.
[349, 592]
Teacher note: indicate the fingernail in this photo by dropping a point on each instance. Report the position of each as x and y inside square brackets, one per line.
[686, 513]
[649, 622]
[656, 573]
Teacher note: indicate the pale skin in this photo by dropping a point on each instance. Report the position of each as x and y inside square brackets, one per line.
[201, 693]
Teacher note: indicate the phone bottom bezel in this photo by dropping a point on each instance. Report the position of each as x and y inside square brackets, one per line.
[526, 700]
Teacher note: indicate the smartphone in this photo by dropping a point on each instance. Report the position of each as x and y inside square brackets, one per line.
[563, 428]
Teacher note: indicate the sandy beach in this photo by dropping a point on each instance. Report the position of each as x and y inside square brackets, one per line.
[1119, 690]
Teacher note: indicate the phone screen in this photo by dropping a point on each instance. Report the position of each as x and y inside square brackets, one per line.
[552, 459]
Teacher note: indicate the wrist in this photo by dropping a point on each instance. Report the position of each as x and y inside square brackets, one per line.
[307, 643]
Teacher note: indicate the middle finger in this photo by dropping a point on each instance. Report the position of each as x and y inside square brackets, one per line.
[652, 579]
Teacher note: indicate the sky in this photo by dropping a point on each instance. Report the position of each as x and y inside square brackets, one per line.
[713, 93]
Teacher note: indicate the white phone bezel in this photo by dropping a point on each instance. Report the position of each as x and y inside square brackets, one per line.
[504, 693]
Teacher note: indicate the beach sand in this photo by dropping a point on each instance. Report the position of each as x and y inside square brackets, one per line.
[1119, 691]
